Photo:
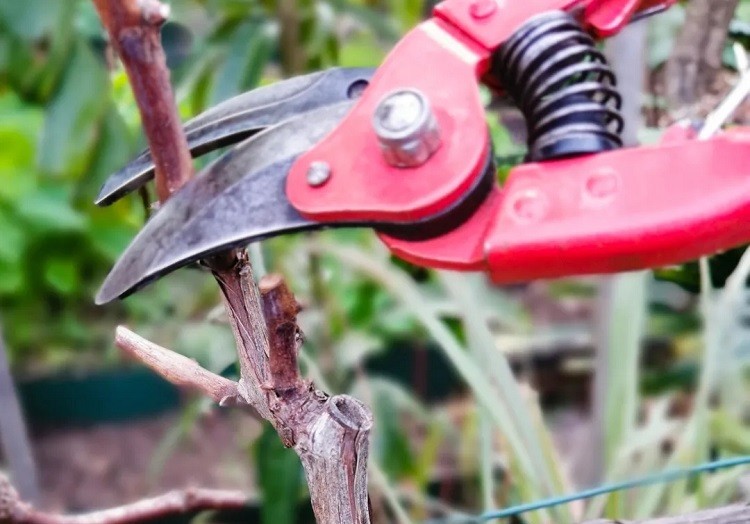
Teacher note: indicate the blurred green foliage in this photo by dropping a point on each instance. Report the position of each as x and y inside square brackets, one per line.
[61, 136]
[67, 120]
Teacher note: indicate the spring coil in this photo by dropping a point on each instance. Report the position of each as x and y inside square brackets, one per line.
[563, 86]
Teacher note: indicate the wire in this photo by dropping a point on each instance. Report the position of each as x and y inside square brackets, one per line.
[669, 475]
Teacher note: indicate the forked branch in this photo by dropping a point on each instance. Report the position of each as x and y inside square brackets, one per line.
[329, 434]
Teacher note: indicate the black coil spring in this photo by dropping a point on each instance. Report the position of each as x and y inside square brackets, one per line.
[562, 85]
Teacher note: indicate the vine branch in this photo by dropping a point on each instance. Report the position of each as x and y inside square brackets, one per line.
[330, 434]
[134, 32]
[13, 509]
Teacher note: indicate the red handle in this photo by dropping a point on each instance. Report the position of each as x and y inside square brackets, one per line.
[442, 58]
[491, 22]
[608, 17]
[612, 211]
[618, 211]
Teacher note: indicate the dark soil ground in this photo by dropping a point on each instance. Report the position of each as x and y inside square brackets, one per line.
[97, 467]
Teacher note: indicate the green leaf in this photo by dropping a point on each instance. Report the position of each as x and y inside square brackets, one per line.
[247, 54]
[177, 41]
[49, 210]
[11, 278]
[18, 131]
[34, 68]
[114, 148]
[62, 275]
[280, 478]
[212, 345]
[73, 117]
[361, 50]
[13, 240]
[32, 19]
[407, 12]
[391, 441]
[396, 322]
[110, 237]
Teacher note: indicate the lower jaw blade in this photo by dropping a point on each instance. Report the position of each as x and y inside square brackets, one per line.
[237, 199]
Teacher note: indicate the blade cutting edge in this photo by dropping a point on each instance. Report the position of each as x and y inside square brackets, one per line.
[237, 199]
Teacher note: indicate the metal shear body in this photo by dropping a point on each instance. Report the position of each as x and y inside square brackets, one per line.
[405, 150]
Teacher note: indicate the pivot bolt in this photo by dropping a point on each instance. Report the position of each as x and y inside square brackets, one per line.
[406, 128]
[318, 173]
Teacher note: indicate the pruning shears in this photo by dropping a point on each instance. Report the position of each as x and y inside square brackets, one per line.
[405, 150]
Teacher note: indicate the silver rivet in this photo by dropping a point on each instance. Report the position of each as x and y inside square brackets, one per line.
[406, 128]
[318, 173]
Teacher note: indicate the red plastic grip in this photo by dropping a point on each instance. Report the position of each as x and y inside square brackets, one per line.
[624, 210]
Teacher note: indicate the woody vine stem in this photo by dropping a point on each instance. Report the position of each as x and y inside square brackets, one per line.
[329, 433]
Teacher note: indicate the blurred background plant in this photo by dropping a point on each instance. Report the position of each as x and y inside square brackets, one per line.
[482, 395]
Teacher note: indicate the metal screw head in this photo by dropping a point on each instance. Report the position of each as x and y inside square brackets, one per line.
[318, 173]
[406, 128]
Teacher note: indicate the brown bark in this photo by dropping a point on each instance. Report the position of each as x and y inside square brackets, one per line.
[293, 55]
[176, 368]
[696, 59]
[13, 509]
[133, 27]
[330, 434]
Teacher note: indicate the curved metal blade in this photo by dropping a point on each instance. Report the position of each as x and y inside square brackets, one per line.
[244, 115]
[237, 199]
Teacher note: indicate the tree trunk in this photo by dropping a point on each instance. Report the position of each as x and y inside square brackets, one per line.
[696, 60]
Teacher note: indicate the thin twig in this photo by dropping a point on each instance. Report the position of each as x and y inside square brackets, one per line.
[177, 368]
[133, 27]
[13, 509]
[280, 311]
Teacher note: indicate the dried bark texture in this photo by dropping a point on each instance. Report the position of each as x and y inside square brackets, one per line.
[133, 27]
[176, 368]
[13, 509]
[330, 434]
[697, 56]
